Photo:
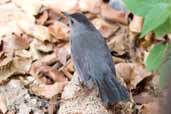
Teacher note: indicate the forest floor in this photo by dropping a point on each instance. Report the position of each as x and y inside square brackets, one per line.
[36, 69]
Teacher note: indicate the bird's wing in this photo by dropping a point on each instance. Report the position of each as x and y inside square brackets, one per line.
[106, 53]
[91, 56]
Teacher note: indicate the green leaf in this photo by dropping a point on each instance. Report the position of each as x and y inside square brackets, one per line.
[155, 17]
[141, 7]
[165, 71]
[155, 57]
[164, 28]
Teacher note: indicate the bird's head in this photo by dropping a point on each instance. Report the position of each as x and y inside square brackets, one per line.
[78, 20]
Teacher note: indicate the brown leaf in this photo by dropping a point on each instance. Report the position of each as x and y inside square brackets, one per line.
[62, 53]
[59, 30]
[22, 41]
[113, 15]
[125, 71]
[41, 18]
[9, 66]
[105, 28]
[9, 18]
[68, 69]
[148, 40]
[28, 6]
[151, 108]
[52, 105]
[62, 5]
[92, 6]
[49, 59]
[37, 31]
[52, 73]
[133, 73]
[136, 24]
[48, 91]
[144, 98]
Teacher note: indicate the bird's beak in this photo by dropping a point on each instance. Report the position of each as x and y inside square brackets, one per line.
[66, 14]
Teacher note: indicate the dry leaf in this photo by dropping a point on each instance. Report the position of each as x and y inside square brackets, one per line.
[124, 70]
[8, 19]
[52, 73]
[148, 40]
[62, 5]
[49, 59]
[105, 28]
[113, 15]
[62, 53]
[151, 108]
[52, 105]
[93, 6]
[59, 31]
[121, 38]
[136, 24]
[144, 98]
[41, 18]
[68, 69]
[30, 7]
[21, 40]
[48, 91]
[10, 66]
[36, 31]
[133, 73]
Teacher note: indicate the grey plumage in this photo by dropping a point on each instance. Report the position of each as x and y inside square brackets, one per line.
[93, 61]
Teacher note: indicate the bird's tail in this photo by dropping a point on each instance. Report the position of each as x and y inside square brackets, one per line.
[111, 91]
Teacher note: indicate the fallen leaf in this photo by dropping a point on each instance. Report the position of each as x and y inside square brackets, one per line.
[125, 71]
[62, 53]
[93, 6]
[48, 91]
[28, 6]
[62, 5]
[21, 41]
[68, 69]
[144, 98]
[132, 73]
[151, 108]
[136, 24]
[52, 73]
[105, 28]
[42, 18]
[43, 47]
[10, 66]
[59, 31]
[49, 59]
[52, 105]
[37, 31]
[139, 74]
[8, 20]
[121, 38]
[109, 13]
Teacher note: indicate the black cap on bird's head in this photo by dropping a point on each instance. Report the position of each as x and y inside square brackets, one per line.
[77, 19]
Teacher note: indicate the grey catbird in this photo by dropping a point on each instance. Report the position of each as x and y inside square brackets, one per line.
[93, 61]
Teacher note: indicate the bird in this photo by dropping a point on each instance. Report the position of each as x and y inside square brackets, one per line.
[93, 61]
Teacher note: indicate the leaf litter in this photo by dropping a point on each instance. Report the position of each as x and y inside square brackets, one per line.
[36, 70]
